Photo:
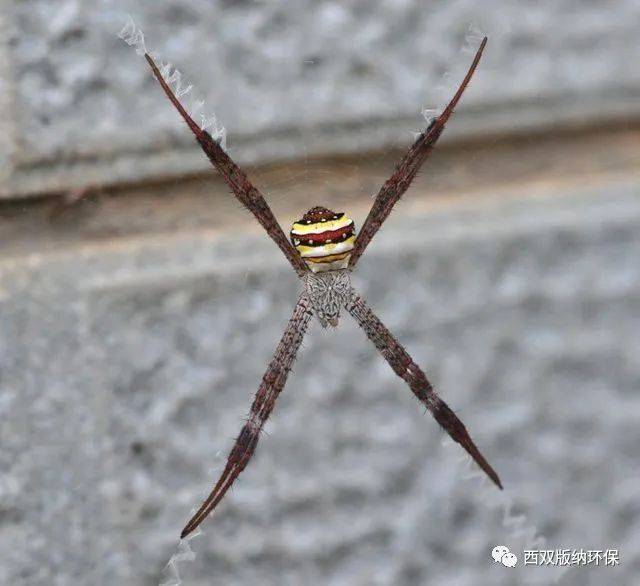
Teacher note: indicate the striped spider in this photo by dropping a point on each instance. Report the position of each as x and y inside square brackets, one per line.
[323, 250]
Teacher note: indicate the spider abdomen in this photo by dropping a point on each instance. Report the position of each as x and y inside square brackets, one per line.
[324, 239]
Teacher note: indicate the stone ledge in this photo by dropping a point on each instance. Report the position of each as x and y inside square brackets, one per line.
[81, 108]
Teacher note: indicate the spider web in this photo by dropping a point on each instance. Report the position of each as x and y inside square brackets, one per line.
[171, 571]
[133, 35]
[518, 527]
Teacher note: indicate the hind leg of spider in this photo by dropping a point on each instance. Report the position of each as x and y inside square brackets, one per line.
[235, 177]
[408, 167]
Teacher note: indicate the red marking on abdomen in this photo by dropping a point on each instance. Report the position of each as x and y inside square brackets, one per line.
[322, 237]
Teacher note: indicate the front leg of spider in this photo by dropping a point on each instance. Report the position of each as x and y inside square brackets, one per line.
[272, 384]
[325, 240]
[404, 366]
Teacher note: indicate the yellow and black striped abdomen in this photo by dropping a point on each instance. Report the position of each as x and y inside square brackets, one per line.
[324, 239]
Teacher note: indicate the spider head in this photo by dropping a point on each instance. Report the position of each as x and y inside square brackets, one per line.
[324, 239]
[328, 292]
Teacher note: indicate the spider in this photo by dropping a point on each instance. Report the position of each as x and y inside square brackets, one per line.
[323, 250]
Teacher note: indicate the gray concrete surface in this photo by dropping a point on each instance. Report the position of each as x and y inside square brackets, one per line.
[80, 108]
[127, 365]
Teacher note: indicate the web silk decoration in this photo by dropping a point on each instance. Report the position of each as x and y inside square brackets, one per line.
[134, 37]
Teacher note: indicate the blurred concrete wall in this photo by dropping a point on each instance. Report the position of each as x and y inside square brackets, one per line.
[134, 330]
[126, 371]
[80, 108]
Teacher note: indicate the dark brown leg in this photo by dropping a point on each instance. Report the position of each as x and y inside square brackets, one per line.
[236, 178]
[272, 383]
[406, 170]
[410, 372]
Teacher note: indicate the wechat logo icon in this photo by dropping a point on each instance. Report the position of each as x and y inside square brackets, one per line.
[501, 553]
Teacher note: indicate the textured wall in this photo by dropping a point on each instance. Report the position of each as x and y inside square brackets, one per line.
[78, 106]
[126, 367]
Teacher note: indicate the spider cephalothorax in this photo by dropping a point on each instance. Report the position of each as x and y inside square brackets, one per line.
[328, 291]
[323, 250]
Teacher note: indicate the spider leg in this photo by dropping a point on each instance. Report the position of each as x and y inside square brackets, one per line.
[404, 366]
[407, 169]
[273, 382]
[236, 178]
